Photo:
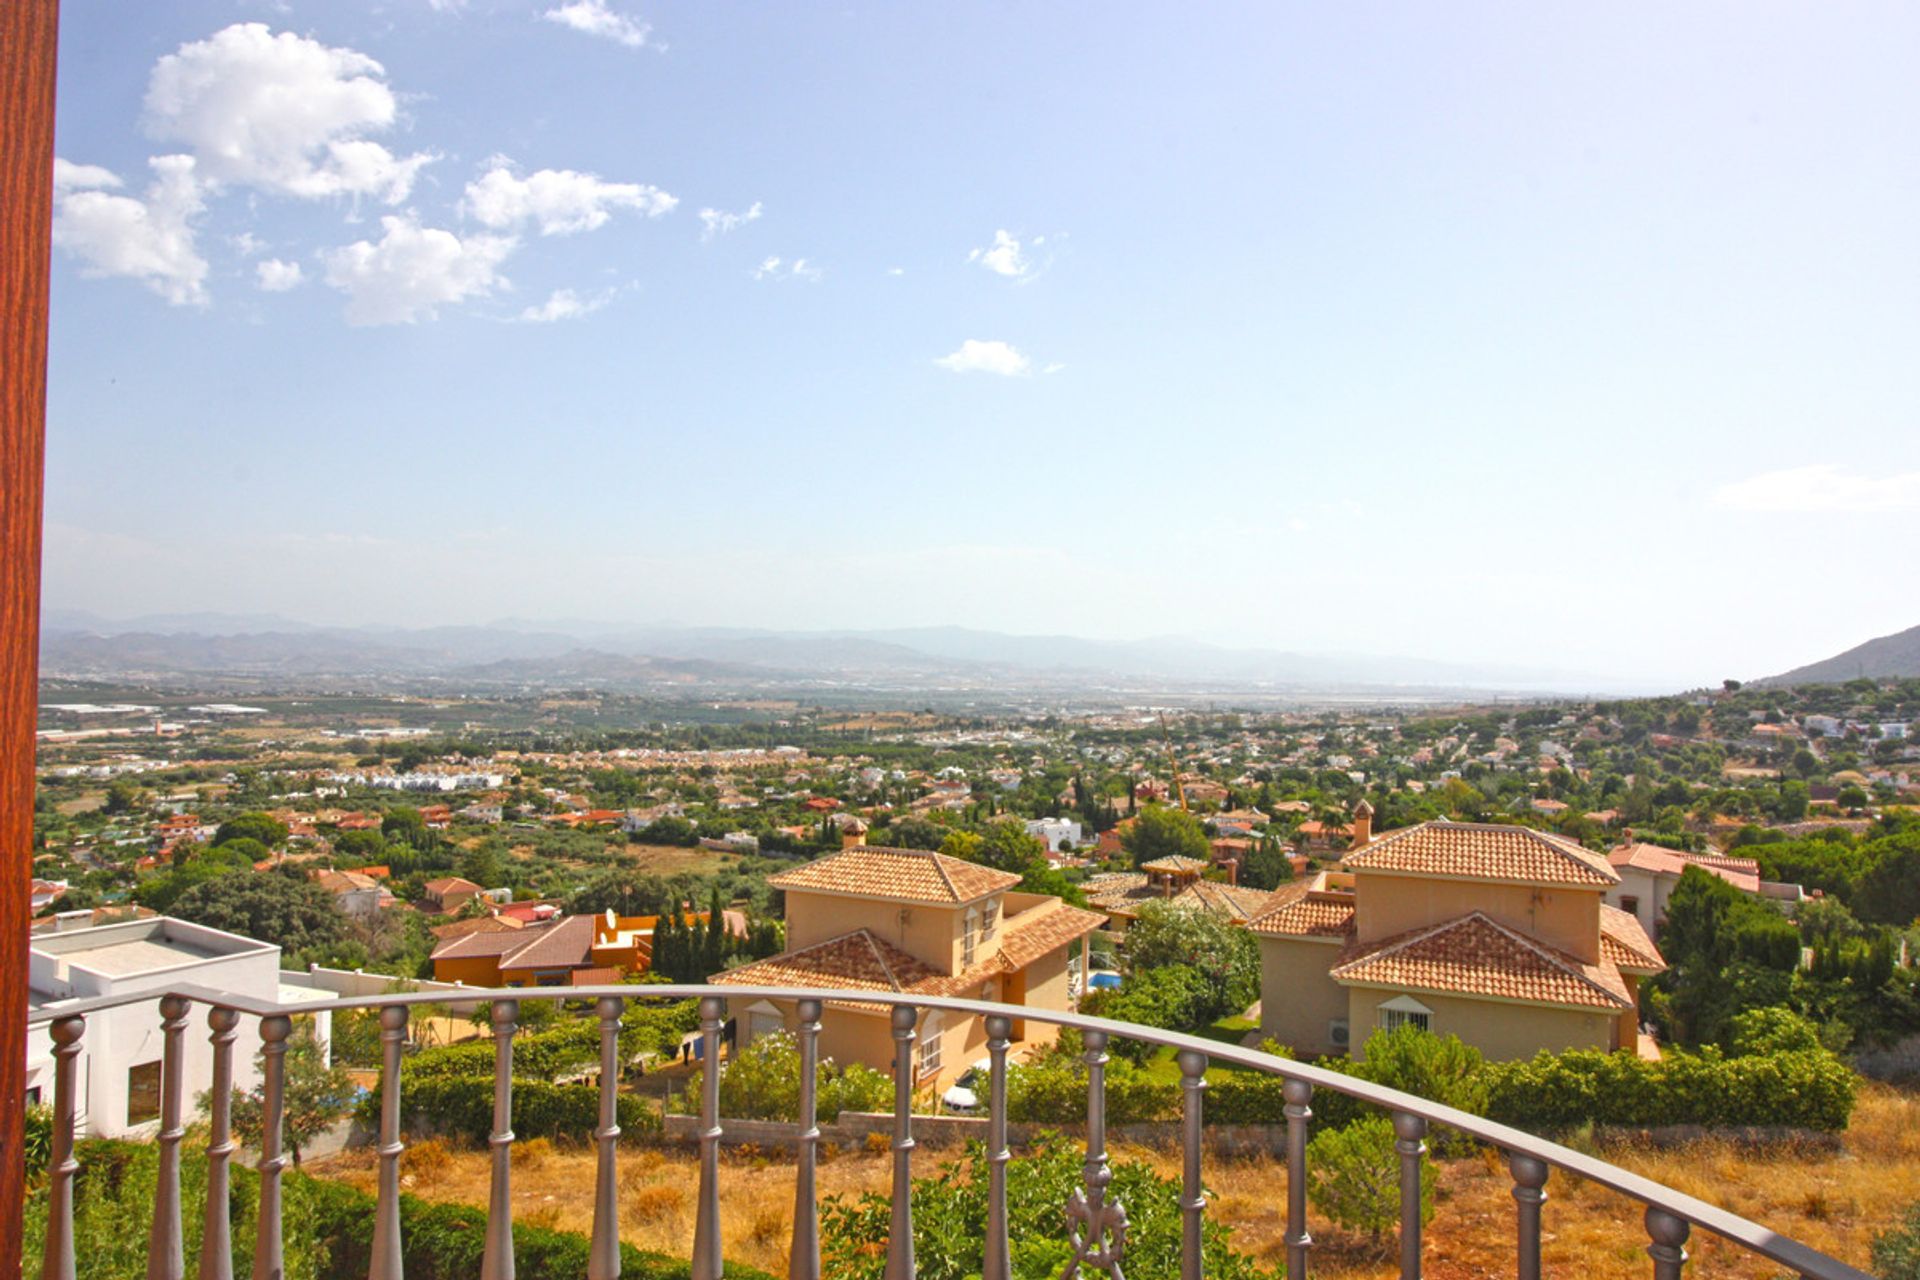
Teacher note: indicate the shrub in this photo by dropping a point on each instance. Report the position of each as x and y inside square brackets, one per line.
[1896, 1251]
[762, 1082]
[462, 1107]
[1172, 997]
[1804, 1089]
[1053, 1090]
[1353, 1176]
[950, 1219]
[1775, 1029]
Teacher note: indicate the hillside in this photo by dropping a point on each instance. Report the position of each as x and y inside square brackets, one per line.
[1896, 656]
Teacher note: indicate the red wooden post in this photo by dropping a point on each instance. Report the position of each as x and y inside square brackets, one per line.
[27, 35]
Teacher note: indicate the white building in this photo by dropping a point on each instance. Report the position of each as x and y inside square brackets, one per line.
[118, 1071]
[1056, 831]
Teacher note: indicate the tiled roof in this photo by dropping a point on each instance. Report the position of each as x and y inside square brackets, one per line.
[904, 875]
[487, 943]
[1310, 914]
[1124, 893]
[1023, 941]
[1624, 942]
[1741, 873]
[1483, 852]
[1174, 863]
[1473, 955]
[555, 944]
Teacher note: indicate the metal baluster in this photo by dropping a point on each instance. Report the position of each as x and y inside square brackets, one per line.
[706, 1223]
[166, 1255]
[1668, 1250]
[900, 1262]
[56, 1261]
[603, 1260]
[1193, 1197]
[1409, 1130]
[1096, 1227]
[496, 1261]
[269, 1248]
[803, 1260]
[1297, 1095]
[1529, 1191]
[386, 1212]
[998, 1260]
[216, 1231]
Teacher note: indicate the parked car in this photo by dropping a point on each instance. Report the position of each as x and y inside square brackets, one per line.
[963, 1096]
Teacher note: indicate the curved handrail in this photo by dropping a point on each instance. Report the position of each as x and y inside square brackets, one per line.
[1741, 1231]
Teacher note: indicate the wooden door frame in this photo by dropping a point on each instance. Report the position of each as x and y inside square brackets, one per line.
[28, 32]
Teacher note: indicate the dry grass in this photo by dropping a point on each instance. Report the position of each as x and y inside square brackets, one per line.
[1833, 1200]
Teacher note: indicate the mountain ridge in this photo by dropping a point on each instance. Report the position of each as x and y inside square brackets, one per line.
[1896, 656]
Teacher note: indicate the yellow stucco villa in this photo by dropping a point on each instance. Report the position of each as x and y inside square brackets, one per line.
[1495, 934]
[877, 919]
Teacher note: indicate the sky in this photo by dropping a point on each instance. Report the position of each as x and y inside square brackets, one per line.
[1577, 337]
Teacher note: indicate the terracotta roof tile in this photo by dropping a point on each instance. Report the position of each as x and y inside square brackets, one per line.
[905, 875]
[1175, 863]
[1313, 914]
[1741, 873]
[1483, 851]
[1624, 942]
[1024, 941]
[1475, 956]
[1124, 893]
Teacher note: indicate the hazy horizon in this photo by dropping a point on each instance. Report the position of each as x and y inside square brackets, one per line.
[1482, 335]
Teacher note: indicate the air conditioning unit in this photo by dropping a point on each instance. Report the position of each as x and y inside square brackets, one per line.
[1337, 1032]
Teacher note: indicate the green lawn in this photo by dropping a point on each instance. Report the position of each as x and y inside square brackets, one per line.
[1163, 1066]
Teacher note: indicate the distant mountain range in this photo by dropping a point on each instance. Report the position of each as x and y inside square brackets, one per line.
[1896, 656]
[576, 654]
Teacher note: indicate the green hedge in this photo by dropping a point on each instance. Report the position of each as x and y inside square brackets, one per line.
[1802, 1089]
[446, 1242]
[462, 1107]
[1796, 1089]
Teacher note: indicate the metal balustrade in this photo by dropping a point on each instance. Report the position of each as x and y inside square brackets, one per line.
[1094, 1223]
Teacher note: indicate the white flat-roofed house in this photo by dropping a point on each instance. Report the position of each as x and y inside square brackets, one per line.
[117, 1075]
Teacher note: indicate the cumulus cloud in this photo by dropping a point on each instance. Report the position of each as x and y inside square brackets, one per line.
[597, 18]
[776, 268]
[413, 270]
[276, 276]
[718, 222]
[1823, 486]
[994, 356]
[1003, 257]
[147, 238]
[283, 113]
[559, 201]
[563, 304]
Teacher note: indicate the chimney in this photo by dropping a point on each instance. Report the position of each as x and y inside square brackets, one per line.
[1362, 826]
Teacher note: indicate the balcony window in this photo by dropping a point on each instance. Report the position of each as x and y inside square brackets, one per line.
[143, 1093]
[1405, 1011]
[931, 1035]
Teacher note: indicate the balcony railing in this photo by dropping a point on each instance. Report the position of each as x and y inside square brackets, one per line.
[1095, 1223]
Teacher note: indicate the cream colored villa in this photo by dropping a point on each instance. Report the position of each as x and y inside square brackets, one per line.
[1496, 934]
[906, 920]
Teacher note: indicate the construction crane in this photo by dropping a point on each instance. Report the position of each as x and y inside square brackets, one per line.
[1179, 791]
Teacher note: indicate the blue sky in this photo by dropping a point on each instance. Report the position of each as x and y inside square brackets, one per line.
[1476, 332]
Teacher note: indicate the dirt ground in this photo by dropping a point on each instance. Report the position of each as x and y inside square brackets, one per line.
[1833, 1200]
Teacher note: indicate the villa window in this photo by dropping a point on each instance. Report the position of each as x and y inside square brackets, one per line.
[1630, 905]
[143, 1093]
[989, 919]
[930, 1037]
[1405, 1011]
[967, 939]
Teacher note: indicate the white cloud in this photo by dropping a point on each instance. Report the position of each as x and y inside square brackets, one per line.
[147, 238]
[561, 201]
[276, 276]
[1055, 367]
[1821, 487]
[595, 18]
[977, 356]
[563, 304]
[283, 113]
[718, 222]
[413, 270]
[775, 268]
[1003, 257]
[896, 271]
